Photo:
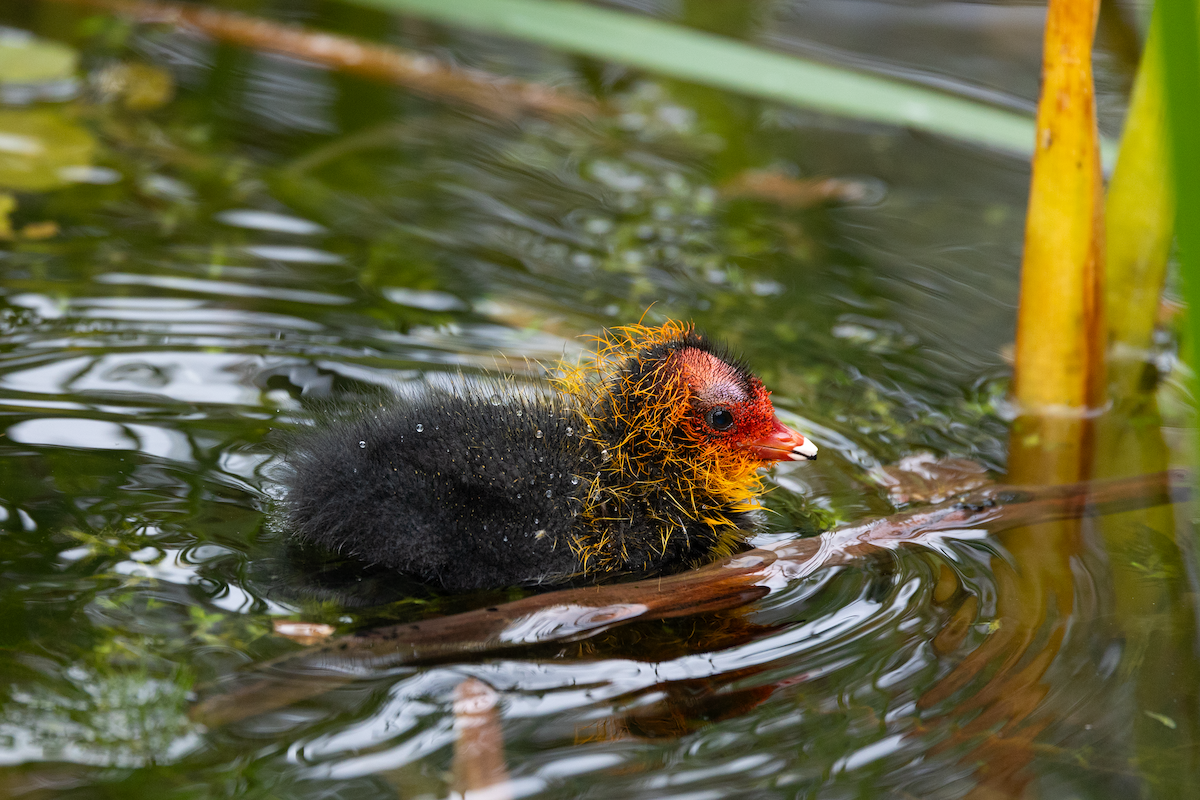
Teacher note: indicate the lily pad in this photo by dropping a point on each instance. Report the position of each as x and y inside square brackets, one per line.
[27, 59]
[40, 148]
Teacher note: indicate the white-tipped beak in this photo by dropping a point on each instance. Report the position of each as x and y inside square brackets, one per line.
[782, 444]
[804, 452]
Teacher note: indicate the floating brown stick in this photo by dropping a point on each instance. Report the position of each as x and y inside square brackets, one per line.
[574, 614]
[789, 192]
[502, 97]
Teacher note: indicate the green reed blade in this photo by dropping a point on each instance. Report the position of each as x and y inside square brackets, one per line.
[1180, 32]
[711, 60]
[1140, 222]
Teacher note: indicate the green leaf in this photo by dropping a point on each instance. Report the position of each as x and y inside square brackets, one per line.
[8, 204]
[39, 147]
[728, 64]
[1163, 718]
[27, 59]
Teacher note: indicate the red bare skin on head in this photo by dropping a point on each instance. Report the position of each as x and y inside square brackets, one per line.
[715, 385]
[732, 409]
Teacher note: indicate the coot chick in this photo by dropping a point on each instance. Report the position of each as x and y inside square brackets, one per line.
[644, 461]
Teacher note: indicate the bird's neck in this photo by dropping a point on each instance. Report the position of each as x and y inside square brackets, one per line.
[659, 496]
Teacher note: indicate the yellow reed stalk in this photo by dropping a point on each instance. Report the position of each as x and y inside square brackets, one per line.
[1059, 380]
[1060, 370]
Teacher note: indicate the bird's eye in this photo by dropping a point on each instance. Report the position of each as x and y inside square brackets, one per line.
[719, 418]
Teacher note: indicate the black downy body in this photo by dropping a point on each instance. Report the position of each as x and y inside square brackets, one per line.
[465, 489]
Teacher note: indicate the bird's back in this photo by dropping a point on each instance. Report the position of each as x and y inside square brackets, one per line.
[475, 486]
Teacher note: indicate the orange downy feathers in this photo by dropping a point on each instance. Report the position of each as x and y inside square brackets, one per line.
[655, 462]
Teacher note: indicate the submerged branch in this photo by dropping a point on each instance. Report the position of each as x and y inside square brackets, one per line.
[502, 97]
[575, 614]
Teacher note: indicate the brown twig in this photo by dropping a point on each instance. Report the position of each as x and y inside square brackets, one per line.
[800, 193]
[575, 614]
[502, 97]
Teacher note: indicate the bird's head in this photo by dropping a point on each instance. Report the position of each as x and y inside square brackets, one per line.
[729, 408]
[670, 407]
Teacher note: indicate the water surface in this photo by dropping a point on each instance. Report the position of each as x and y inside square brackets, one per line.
[267, 232]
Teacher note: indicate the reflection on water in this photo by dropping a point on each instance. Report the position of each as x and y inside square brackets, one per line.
[278, 234]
